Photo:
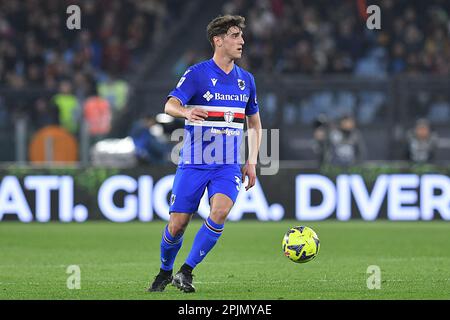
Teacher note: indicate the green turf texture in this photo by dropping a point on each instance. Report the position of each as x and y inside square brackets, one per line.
[117, 261]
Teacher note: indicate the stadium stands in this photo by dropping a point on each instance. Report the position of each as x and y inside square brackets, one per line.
[39, 56]
[309, 58]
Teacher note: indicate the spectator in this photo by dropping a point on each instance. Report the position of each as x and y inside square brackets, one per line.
[321, 133]
[189, 58]
[149, 148]
[37, 48]
[115, 56]
[97, 114]
[310, 37]
[44, 113]
[421, 143]
[68, 107]
[114, 90]
[347, 147]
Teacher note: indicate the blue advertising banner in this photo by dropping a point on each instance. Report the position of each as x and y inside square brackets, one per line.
[143, 194]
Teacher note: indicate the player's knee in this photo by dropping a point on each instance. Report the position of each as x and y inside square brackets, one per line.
[177, 228]
[219, 215]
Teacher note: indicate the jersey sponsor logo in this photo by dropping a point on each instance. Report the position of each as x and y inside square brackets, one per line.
[231, 97]
[226, 131]
[219, 124]
[214, 81]
[226, 97]
[208, 96]
[172, 199]
[241, 84]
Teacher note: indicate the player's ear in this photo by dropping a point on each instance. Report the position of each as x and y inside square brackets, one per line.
[218, 41]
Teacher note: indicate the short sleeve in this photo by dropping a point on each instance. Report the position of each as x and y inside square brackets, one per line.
[185, 88]
[252, 104]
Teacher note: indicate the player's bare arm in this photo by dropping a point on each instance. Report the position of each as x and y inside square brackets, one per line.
[174, 108]
[254, 141]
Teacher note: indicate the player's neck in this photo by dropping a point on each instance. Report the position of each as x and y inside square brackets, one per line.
[224, 63]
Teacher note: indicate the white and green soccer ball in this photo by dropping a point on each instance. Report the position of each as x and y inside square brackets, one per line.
[301, 244]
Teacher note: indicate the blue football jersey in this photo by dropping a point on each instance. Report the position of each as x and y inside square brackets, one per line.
[228, 98]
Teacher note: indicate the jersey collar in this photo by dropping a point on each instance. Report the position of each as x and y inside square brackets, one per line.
[216, 67]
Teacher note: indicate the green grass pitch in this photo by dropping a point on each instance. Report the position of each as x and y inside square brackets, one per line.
[117, 261]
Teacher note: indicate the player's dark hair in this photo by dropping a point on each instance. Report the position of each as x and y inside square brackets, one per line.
[221, 24]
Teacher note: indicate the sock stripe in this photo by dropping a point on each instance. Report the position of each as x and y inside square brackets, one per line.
[171, 242]
[215, 230]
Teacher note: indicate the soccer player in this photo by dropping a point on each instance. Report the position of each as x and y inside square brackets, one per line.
[214, 97]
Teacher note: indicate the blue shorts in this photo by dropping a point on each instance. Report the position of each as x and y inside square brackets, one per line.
[190, 184]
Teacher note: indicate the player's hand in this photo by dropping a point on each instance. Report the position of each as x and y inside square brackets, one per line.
[250, 171]
[196, 114]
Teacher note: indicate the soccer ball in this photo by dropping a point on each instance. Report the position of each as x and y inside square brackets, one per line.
[301, 244]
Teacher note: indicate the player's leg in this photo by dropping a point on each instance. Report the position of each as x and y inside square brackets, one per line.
[172, 239]
[223, 190]
[204, 241]
[171, 242]
[211, 229]
[188, 188]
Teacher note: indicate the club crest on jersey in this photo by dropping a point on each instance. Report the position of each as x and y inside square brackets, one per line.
[241, 84]
[228, 116]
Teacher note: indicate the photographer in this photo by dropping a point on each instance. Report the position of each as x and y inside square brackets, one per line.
[421, 143]
[346, 143]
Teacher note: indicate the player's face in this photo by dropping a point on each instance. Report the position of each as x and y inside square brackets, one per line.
[233, 43]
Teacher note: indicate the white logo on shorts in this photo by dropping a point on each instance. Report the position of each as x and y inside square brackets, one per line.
[238, 183]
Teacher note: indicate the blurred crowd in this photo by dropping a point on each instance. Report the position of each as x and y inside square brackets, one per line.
[330, 36]
[54, 75]
[84, 73]
[340, 143]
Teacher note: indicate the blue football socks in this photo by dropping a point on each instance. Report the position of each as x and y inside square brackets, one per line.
[170, 246]
[204, 241]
